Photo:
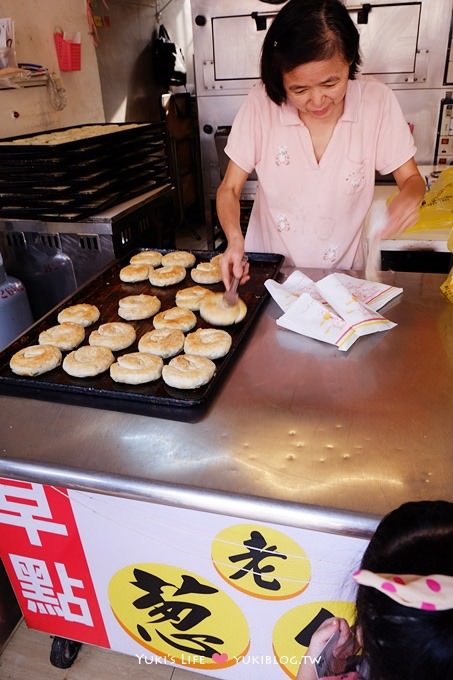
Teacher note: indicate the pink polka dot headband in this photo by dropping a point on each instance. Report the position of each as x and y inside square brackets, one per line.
[432, 593]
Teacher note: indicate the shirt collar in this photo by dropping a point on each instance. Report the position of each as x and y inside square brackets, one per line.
[290, 116]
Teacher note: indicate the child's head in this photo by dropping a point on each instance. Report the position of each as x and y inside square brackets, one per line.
[399, 641]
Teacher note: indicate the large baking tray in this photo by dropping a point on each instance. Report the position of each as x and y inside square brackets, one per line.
[153, 399]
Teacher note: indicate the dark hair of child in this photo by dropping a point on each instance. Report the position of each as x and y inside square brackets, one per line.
[401, 642]
[305, 31]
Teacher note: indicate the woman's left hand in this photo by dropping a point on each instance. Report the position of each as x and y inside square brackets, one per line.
[401, 215]
[404, 209]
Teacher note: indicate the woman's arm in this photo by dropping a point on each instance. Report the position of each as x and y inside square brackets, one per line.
[229, 211]
[404, 208]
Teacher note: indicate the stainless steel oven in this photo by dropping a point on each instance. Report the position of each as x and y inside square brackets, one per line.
[404, 43]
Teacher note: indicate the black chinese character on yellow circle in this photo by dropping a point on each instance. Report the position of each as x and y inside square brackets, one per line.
[261, 561]
[179, 615]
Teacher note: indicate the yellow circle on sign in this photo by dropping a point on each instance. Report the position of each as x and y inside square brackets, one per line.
[179, 615]
[261, 561]
[293, 630]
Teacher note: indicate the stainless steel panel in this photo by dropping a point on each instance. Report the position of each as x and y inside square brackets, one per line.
[401, 43]
[296, 422]
[237, 45]
[400, 24]
[422, 110]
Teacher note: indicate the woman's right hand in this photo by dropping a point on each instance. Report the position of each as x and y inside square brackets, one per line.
[233, 264]
[228, 206]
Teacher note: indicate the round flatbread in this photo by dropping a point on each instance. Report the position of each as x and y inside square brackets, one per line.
[136, 368]
[167, 276]
[83, 314]
[217, 312]
[137, 307]
[115, 336]
[182, 258]
[208, 342]
[206, 272]
[132, 273]
[87, 361]
[66, 336]
[188, 372]
[164, 342]
[179, 257]
[192, 297]
[175, 318]
[150, 257]
[35, 360]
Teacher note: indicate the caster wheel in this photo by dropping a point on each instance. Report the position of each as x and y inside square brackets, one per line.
[63, 652]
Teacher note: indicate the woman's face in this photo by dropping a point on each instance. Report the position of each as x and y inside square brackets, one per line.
[318, 89]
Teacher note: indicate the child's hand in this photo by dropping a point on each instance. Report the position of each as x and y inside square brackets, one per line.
[342, 649]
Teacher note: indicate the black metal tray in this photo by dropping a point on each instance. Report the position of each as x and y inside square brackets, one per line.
[45, 181]
[11, 150]
[152, 399]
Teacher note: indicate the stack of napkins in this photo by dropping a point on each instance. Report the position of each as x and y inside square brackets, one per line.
[337, 309]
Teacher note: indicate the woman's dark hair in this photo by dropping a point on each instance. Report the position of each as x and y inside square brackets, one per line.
[399, 642]
[304, 31]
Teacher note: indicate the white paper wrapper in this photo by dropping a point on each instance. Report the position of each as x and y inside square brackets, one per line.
[338, 309]
[362, 318]
[372, 293]
[317, 320]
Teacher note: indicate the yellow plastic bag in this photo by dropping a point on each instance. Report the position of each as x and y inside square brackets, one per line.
[436, 211]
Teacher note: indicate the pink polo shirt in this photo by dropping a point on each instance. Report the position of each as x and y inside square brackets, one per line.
[308, 211]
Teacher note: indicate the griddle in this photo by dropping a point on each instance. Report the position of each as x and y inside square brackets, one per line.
[151, 399]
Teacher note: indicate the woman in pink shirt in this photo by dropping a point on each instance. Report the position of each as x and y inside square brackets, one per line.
[315, 132]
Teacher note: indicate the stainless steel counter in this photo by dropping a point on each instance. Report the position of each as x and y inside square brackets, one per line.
[299, 433]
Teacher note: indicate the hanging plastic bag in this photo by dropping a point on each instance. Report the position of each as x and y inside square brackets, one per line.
[436, 211]
[447, 286]
[168, 60]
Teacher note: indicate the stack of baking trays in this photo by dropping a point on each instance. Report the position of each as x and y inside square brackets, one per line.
[70, 173]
